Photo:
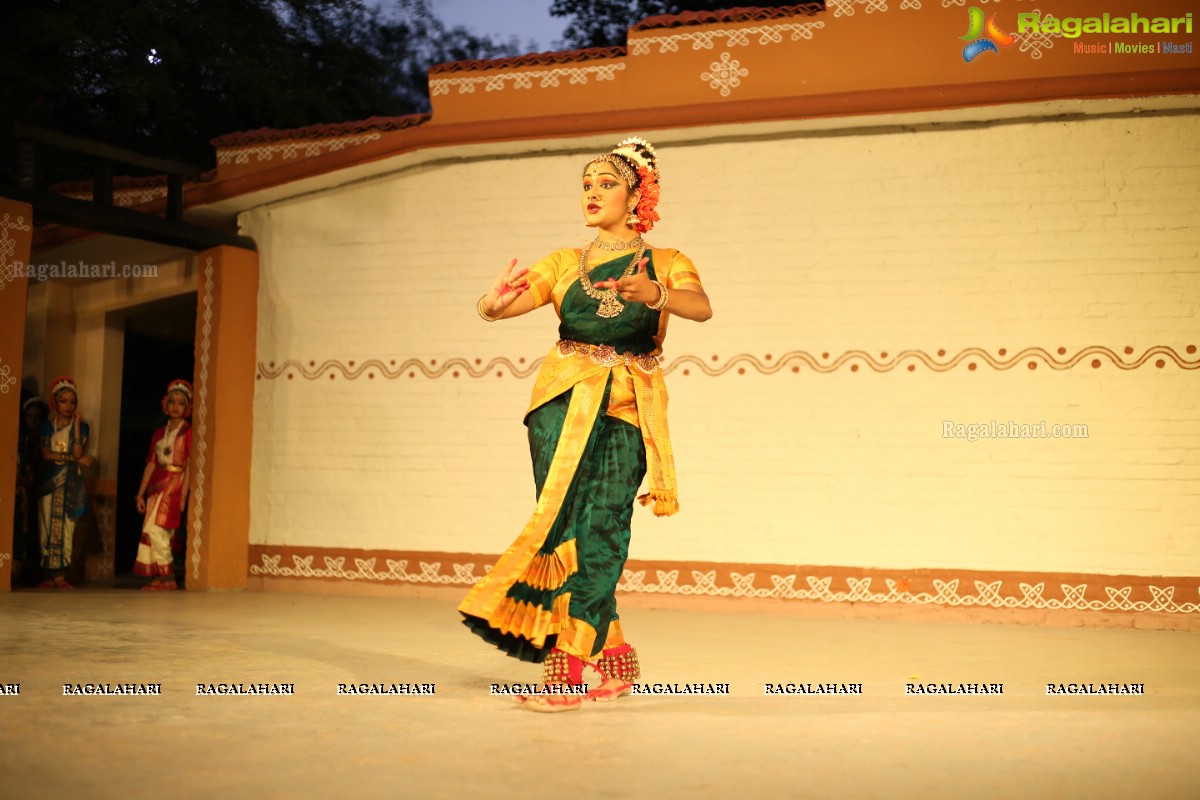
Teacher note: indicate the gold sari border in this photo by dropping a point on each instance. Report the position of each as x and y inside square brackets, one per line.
[580, 364]
[550, 571]
[616, 637]
[577, 638]
[487, 597]
[529, 621]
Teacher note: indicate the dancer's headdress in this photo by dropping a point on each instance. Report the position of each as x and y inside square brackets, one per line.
[185, 389]
[635, 160]
[180, 385]
[63, 383]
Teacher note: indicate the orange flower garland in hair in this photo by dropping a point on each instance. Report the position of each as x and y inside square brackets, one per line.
[647, 216]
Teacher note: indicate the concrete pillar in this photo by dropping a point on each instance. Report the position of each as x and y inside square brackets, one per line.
[223, 419]
[16, 235]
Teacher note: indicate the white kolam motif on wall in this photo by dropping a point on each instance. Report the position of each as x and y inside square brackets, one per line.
[202, 416]
[733, 37]
[365, 570]
[286, 151]
[725, 74]
[8, 247]
[542, 78]
[846, 8]
[816, 588]
[127, 198]
[7, 379]
[1033, 43]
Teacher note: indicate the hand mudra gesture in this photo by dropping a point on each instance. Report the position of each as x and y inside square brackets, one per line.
[510, 284]
[637, 288]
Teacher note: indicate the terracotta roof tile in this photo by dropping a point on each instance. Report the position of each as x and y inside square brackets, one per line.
[532, 59]
[241, 138]
[745, 14]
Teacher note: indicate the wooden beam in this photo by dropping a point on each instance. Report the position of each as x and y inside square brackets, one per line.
[50, 207]
[26, 164]
[102, 184]
[175, 197]
[105, 151]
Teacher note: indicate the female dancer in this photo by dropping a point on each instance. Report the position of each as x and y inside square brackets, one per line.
[597, 424]
[166, 478]
[63, 498]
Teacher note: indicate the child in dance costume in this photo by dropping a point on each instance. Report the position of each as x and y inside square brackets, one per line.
[166, 480]
[62, 496]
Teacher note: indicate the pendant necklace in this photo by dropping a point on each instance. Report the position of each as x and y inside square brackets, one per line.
[610, 303]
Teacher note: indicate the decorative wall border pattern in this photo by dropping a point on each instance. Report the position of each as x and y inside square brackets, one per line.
[846, 7]
[814, 584]
[328, 130]
[973, 357]
[8, 247]
[126, 198]
[7, 379]
[734, 37]
[546, 79]
[295, 149]
[4, 557]
[364, 569]
[202, 416]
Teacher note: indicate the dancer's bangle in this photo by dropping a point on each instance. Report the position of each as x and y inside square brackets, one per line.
[661, 302]
[482, 313]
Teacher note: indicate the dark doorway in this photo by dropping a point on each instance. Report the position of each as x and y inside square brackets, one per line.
[160, 345]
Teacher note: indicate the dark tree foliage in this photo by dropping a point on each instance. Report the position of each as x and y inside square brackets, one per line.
[163, 77]
[603, 23]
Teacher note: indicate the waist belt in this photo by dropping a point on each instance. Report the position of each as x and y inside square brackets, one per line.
[605, 355]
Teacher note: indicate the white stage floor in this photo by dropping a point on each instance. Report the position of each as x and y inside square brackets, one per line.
[463, 742]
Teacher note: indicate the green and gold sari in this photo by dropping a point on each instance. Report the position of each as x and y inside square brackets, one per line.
[597, 426]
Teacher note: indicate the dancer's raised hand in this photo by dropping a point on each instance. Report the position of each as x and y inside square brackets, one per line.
[510, 284]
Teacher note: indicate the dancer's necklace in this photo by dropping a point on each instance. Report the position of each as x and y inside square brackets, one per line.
[617, 245]
[610, 304]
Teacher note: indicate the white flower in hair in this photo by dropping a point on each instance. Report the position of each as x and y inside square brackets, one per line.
[640, 152]
[63, 383]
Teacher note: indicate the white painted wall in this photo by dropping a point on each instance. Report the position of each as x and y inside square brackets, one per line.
[1054, 232]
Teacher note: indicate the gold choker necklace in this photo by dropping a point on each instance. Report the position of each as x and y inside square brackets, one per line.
[617, 245]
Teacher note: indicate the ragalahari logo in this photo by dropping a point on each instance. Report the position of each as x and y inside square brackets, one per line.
[983, 37]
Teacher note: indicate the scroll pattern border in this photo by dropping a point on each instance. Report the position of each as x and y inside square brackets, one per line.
[972, 358]
[525, 79]
[197, 532]
[8, 246]
[293, 149]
